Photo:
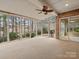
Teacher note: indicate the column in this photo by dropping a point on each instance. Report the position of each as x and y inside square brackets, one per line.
[7, 29]
[48, 28]
[24, 27]
[57, 27]
[14, 24]
[41, 30]
[20, 28]
[0, 27]
[30, 27]
[36, 27]
[68, 28]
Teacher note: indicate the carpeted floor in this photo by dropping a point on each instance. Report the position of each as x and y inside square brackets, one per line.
[39, 48]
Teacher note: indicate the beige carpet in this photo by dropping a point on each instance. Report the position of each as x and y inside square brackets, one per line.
[39, 48]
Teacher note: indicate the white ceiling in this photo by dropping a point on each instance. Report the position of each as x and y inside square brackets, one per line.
[28, 7]
[59, 5]
[24, 7]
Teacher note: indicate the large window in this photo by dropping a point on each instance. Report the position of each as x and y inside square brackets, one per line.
[48, 26]
[13, 27]
[16, 27]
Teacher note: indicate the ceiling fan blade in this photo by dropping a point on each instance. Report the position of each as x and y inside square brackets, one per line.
[38, 10]
[45, 7]
[49, 10]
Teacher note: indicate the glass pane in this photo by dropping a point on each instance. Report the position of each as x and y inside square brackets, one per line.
[25, 28]
[13, 27]
[49, 26]
[45, 27]
[3, 28]
[74, 28]
[64, 29]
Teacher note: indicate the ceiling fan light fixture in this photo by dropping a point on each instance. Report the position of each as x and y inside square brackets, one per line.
[66, 4]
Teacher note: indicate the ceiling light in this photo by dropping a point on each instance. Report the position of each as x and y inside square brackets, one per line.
[66, 4]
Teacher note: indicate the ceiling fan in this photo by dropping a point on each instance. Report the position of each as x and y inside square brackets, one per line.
[45, 9]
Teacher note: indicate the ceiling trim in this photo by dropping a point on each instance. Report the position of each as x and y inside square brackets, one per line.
[18, 15]
[69, 13]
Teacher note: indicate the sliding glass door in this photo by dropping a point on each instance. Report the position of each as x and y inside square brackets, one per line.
[64, 29]
[69, 28]
[74, 28]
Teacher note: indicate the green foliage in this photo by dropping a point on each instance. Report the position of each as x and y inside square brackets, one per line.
[4, 17]
[76, 29]
[0, 17]
[3, 39]
[27, 34]
[52, 31]
[23, 35]
[33, 34]
[45, 30]
[13, 35]
[39, 32]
